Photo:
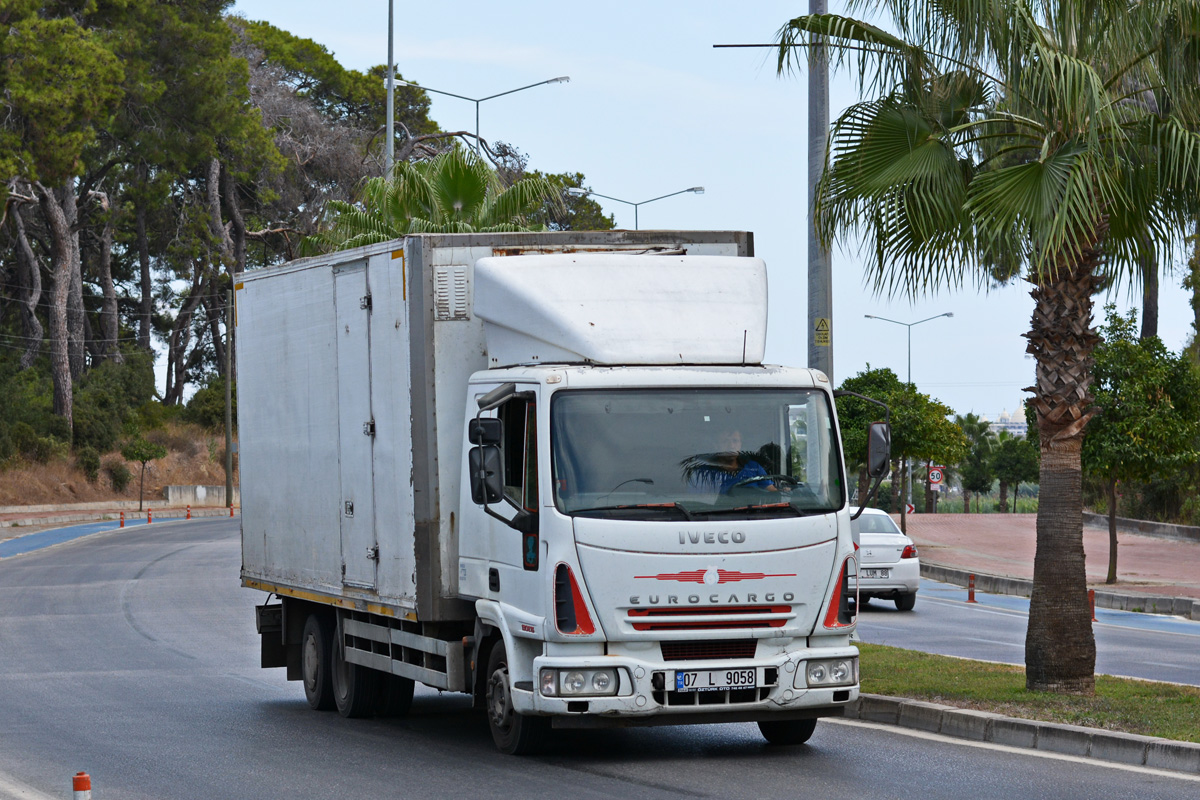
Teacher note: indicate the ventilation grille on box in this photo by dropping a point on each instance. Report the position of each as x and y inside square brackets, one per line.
[451, 292]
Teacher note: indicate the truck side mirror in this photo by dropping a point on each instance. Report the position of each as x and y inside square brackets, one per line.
[879, 449]
[486, 475]
[485, 431]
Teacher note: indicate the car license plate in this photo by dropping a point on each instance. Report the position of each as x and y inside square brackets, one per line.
[711, 680]
[873, 573]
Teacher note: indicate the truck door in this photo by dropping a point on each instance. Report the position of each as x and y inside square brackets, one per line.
[356, 427]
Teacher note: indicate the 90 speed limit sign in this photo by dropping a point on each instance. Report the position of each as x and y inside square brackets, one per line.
[935, 475]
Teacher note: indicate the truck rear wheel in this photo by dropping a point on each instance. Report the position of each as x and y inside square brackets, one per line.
[315, 657]
[355, 687]
[395, 696]
[513, 733]
[787, 731]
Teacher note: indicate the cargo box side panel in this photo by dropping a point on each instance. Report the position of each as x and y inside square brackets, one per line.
[288, 428]
[392, 407]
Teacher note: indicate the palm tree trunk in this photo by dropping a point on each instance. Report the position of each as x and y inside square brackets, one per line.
[1060, 648]
[1003, 497]
[904, 495]
[966, 501]
[1112, 532]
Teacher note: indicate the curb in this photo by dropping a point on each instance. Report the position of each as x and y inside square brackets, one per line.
[1001, 584]
[1051, 737]
[111, 514]
[1143, 527]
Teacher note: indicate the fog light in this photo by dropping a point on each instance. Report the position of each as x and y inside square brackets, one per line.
[601, 681]
[549, 682]
[573, 683]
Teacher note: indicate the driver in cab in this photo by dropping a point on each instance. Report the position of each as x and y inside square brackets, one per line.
[731, 467]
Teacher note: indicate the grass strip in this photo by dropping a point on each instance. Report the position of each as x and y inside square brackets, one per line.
[1120, 704]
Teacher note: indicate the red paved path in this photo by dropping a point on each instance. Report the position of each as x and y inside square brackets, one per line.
[1003, 544]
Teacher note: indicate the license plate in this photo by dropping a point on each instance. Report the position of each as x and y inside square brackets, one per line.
[712, 680]
[873, 573]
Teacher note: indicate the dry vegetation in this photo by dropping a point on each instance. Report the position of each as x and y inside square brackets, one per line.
[194, 457]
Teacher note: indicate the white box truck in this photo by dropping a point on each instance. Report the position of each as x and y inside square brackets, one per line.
[549, 470]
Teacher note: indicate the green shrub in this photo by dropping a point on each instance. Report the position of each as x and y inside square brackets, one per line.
[88, 461]
[207, 406]
[119, 474]
[107, 398]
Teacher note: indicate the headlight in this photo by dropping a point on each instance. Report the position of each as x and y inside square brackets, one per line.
[579, 682]
[830, 672]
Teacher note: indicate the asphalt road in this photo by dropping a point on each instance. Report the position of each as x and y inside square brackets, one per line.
[132, 655]
[1148, 646]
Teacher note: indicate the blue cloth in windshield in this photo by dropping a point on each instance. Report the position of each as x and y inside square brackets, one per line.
[720, 480]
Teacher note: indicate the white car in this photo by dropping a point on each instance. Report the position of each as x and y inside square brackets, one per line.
[887, 560]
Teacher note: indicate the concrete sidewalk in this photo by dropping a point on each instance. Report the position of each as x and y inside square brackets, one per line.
[1154, 574]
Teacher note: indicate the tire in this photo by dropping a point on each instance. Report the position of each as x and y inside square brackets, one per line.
[905, 602]
[514, 734]
[355, 688]
[316, 661]
[395, 696]
[787, 732]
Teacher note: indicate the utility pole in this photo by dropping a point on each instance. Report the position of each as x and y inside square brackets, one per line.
[229, 399]
[820, 269]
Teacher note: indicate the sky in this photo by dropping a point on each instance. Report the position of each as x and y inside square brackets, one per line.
[652, 108]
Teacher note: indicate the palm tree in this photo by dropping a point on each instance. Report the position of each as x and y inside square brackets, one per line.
[454, 192]
[977, 432]
[1020, 133]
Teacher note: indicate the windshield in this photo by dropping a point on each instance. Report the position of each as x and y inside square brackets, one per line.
[694, 453]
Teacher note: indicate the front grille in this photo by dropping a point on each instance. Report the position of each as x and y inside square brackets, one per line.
[695, 651]
[690, 618]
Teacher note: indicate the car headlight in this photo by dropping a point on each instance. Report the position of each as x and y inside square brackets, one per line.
[829, 672]
[579, 682]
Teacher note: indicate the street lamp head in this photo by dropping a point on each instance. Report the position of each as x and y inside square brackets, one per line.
[563, 79]
[948, 314]
[697, 190]
[869, 316]
[576, 192]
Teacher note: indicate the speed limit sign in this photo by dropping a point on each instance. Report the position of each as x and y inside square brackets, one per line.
[935, 475]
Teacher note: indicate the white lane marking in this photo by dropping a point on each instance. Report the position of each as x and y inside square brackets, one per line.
[13, 789]
[1094, 762]
[994, 641]
[1011, 613]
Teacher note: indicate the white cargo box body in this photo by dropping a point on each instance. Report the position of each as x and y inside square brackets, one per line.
[347, 362]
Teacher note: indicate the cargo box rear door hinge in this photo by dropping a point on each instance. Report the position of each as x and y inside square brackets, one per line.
[369, 428]
[364, 302]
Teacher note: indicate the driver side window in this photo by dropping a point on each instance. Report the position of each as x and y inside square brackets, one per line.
[519, 452]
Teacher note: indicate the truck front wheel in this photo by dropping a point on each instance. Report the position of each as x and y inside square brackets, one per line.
[315, 656]
[513, 733]
[787, 731]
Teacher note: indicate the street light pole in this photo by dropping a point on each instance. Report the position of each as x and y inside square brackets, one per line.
[910, 326]
[574, 192]
[477, 101]
[391, 101]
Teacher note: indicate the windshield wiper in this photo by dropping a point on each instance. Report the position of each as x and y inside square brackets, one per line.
[629, 506]
[799, 510]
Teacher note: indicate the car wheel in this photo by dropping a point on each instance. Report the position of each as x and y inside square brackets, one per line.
[355, 687]
[905, 602]
[513, 733]
[787, 731]
[315, 659]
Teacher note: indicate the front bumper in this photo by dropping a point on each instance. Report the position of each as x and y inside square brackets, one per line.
[645, 694]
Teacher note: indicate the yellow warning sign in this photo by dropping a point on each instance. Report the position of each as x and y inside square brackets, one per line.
[823, 329]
